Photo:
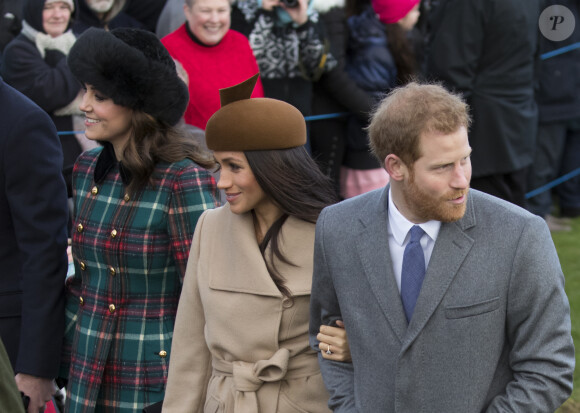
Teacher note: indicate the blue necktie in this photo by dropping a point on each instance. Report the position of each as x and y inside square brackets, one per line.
[413, 271]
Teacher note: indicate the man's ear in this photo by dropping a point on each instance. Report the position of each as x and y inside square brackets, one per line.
[395, 167]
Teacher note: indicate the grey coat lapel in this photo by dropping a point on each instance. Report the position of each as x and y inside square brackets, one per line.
[451, 248]
[373, 249]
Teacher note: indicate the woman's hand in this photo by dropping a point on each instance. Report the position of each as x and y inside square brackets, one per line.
[333, 342]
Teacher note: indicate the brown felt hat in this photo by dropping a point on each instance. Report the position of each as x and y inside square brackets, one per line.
[244, 124]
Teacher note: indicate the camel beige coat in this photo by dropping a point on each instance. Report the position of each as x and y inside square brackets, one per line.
[239, 345]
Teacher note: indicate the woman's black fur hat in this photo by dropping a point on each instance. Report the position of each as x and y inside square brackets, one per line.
[133, 68]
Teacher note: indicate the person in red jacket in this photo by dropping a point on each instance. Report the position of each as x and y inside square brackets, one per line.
[213, 56]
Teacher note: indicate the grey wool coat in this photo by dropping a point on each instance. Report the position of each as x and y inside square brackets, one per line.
[491, 328]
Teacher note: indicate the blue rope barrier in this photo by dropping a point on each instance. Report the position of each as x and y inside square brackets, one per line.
[327, 116]
[341, 114]
[560, 51]
[529, 195]
[70, 132]
[552, 184]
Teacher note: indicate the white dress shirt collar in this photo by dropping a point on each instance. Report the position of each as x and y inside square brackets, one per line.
[400, 226]
[398, 230]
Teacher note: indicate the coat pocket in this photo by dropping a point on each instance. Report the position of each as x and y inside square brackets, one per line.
[155, 358]
[472, 310]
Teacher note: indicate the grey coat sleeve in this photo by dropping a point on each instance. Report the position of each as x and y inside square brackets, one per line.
[324, 309]
[538, 328]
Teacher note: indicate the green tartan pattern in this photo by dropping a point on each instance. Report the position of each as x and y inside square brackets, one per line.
[130, 254]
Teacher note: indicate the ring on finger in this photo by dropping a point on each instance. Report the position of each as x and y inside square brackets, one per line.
[328, 350]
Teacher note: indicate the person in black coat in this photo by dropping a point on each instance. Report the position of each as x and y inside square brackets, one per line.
[33, 219]
[362, 37]
[558, 144]
[146, 11]
[10, 21]
[35, 65]
[335, 92]
[487, 51]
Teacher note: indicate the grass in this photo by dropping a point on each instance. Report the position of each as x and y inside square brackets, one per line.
[568, 247]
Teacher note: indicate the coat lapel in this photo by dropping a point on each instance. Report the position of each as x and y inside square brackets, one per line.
[377, 265]
[449, 252]
[245, 260]
[297, 244]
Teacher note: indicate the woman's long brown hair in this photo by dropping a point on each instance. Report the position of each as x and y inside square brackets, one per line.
[296, 185]
[153, 141]
[401, 48]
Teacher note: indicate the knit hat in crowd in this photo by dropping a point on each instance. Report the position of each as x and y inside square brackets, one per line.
[391, 11]
[244, 124]
[133, 68]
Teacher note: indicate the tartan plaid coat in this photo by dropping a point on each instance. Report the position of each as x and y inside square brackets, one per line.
[130, 256]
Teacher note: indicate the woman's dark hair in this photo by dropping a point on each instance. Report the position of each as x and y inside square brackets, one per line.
[400, 45]
[296, 185]
[403, 52]
[153, 141]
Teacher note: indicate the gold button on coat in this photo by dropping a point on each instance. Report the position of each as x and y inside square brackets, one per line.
[113, 233]
[112, 271]
[111, 308]
[81, 301]
[163, 354]
[83, 266]
[80, 228]
[126, 198]
[95, 190]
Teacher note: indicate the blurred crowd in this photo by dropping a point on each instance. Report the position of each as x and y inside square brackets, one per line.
[337, 57]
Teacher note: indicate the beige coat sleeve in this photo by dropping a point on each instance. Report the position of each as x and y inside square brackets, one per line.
[190, 364]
